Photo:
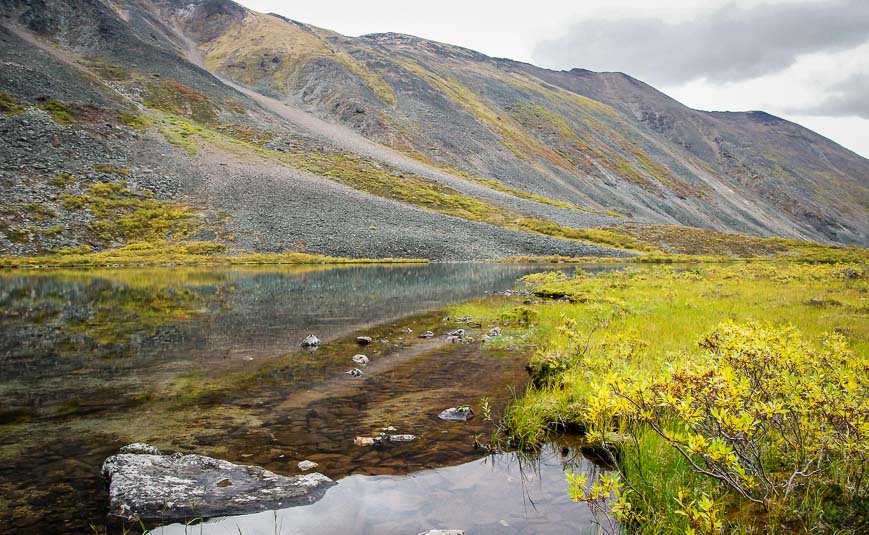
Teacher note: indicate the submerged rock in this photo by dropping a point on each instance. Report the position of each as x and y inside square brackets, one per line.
[310, 341]
[361, 360]
[364, 340]
[306, 465]
[401, 438]
[367, 441]
[152, 487]
[456, 414]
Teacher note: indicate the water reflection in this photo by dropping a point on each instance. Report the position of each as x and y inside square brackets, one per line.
[499, 494]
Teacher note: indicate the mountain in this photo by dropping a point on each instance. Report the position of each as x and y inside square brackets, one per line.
[139, 120]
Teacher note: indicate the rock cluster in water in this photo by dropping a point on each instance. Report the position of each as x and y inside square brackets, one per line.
[153, 487]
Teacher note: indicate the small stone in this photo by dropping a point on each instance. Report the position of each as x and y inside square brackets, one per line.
[401, 438]
[443, 532]
[458, 333]
[306, 465]
[361, 360]
[427, 334]
[388, 429]
[367, 441]
[407, 330]
[355, 372]
[495, 332]
[456, 414]
[364, 340]
[310, 341]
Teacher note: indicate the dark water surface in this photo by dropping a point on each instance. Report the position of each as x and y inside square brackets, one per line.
[206, 360]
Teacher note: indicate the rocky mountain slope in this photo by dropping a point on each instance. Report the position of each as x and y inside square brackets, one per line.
[142, 120]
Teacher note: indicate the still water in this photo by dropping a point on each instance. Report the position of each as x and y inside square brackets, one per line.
[207, 360]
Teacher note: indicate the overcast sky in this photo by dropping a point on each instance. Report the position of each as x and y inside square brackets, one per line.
[804, 60]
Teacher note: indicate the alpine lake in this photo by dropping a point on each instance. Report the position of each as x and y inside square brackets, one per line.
[207, 360]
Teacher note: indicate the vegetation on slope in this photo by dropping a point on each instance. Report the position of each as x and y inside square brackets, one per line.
[178, 253]
[728, 397]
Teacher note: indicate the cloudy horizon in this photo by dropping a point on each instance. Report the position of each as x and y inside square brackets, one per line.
[803, 60]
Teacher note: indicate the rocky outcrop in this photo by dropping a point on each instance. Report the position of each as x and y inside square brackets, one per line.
[150, 487]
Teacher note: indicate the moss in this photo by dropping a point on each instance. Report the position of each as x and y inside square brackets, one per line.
[18, 234]
[111, 169]
[53, 231]
[72, 202]
[38, 212]
[121, 215]
[59, 111]
[134, 120]
[180, 133]
[8, 106]
[62, 180]
[108, 71]
[175, 98]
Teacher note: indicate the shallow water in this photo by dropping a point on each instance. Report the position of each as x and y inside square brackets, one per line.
[498, 494]
[206, 360]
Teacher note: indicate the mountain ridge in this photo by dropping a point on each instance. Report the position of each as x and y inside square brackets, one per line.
[486, 139]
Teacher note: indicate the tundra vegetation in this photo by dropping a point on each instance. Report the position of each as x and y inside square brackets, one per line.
[723, 397]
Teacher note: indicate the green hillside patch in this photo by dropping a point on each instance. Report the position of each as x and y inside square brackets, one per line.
[8, 106]
[598, 236]
[173, 97]
[679, 240]
[122, 215]
[178, 253]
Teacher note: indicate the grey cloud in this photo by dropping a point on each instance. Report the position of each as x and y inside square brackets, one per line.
[850, 97]
[730, 44]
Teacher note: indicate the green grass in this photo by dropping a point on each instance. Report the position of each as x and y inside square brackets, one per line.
[59, 111]
[631, 327]
[8, 106]
[137, 122]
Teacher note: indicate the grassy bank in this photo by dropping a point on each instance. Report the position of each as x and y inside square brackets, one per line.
[730, 397]
[179, 253]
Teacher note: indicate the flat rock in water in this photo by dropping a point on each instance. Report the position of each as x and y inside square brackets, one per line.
[180, 487]
[456, 414]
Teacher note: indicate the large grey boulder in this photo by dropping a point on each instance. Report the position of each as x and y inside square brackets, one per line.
[175, 487]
